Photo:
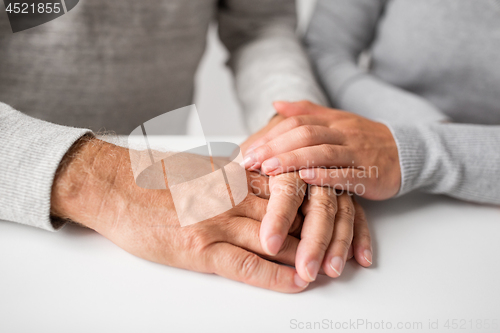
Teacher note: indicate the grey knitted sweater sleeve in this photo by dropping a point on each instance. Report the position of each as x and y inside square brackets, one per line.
[30, 152]
[339, 32]
[267, 57]
[458, 160]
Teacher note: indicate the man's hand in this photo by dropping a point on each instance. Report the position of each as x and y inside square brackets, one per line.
[330, 148]
[332, 226]
[95, 187]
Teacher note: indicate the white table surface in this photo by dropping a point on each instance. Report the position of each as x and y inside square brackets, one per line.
[435, 259]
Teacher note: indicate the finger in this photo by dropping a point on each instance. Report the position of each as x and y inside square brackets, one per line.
[245, 234]
[296, 228]
[362, 243]
[346, 179]
[259, 134]
[255, 208]
[298, 114]
[289, 109]
[324, 155]
[300, 137]
[319, 210]
[238, 264]
[283, 127]
[252, 207]
[350, 253]
[287, 193]
[259, 184]
[337, 253]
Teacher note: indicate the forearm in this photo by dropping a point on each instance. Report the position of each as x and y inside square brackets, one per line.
[267, 58]
[453, 159]
[273, 69]
[339, 32]
[372, 98]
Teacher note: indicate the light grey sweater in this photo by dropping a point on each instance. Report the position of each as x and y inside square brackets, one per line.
[434, 79]
[116, 64]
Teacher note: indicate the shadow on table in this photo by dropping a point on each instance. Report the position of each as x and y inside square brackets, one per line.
[377, 211]
[75, 230]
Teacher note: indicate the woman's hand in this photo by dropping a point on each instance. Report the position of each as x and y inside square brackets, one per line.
[330, 148]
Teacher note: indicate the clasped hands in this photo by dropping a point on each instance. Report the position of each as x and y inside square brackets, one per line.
[315, 229]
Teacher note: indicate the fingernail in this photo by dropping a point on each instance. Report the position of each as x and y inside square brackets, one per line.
[273, 245]
[271, 164]
[337, 264]
[368, 256]
[312, 269]
[248, 161]
[307, 174]
[299, 282]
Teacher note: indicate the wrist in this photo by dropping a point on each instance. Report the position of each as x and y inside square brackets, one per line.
[84, 178]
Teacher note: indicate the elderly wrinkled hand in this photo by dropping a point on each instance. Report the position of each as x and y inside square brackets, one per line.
[96, 188]
[330, 148]
[335, 227]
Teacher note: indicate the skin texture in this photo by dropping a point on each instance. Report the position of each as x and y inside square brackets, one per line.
[330, 148]
[95, 187]
[335, 227]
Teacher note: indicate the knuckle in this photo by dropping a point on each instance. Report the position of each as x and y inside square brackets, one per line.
[291, 186]
[276, 278]
[306, 133]
[343, 243]
[360, 214]
[364, 236]
[282, 218]
[247, 203]
[328, 151]
[297, 197]
[295, 122]
[347, 212]
[264, 150]
[248, 266]
[304, 103]
[360, 218]
[294, 157]
[321, 243]
[325, 206]
[197, 241]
